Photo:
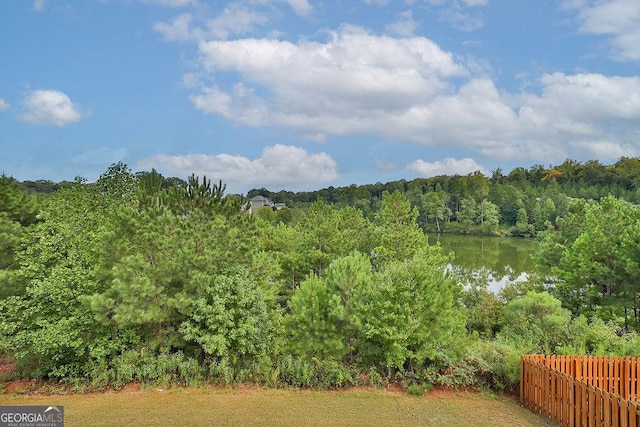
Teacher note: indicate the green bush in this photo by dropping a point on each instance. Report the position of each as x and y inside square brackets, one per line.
[298, 372]
[500, 359]
[416, 390]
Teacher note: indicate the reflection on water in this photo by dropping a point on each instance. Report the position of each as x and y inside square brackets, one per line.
[493, 280]
[496, 261]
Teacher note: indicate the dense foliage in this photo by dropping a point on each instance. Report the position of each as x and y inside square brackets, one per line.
[143, 278]
[523, 202]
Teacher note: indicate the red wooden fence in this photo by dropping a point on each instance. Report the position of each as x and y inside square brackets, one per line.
[582, 390]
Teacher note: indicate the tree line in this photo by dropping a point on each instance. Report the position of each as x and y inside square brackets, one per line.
[523, 202]
[132, 279]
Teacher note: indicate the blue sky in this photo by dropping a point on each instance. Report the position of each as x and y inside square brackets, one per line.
[304, 94]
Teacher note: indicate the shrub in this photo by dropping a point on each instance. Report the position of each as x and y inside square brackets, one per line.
[415, 390]
[500, 359]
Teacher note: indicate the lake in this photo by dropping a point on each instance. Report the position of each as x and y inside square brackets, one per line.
[498, 260]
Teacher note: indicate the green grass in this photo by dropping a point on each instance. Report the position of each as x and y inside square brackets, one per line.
[271, 407]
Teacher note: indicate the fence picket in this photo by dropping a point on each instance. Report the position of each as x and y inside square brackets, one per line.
[585, 404]
[582, 390]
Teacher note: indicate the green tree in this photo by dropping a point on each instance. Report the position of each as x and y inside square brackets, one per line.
[435, 207]
[228, 318]
[347, 277]
[522, 228]
[407, 312]
[543, 214]
[538, 318]
[48, 328]
[397, 233]
[10, 232]
[150, 260]
[17, 205]
[118, 182]
[18, 212]
[488, 215]
[316, 321]
[468, 213]
[589, 257]
[483, 309]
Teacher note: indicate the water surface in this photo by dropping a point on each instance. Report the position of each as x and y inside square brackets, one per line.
[496, 260]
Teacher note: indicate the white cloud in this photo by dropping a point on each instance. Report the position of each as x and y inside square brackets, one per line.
[179, 29]
[619, 19]
[171, 3]
[408, 89]
[353, 78]
[458, 13]
[242, 105]
[50, 107]
[301, 7]
[191, 81]
[376, 2]
[235, 19]
[461, 20]
[384, 165]
[605, 149]
[280, 165]
[589, 98]
[574, 4]
[476, 2]
[455, 2]
[404, 25]
[3, 105]
[38, 5]
[448, 166]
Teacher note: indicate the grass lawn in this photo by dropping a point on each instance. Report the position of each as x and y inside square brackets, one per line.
[272, 407]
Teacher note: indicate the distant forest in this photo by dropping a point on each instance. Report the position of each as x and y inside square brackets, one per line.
[522, 202]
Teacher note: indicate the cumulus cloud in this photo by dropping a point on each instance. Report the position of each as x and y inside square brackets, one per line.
[408, 89]
[605, 149]
[242, 104]
[618, 19]
[280, 165]
[343, 85]
[3, 105]
[50, 107]
[448, 166]
[590, 97]
[405, 88]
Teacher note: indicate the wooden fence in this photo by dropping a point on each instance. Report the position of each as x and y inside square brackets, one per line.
[582, 390]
